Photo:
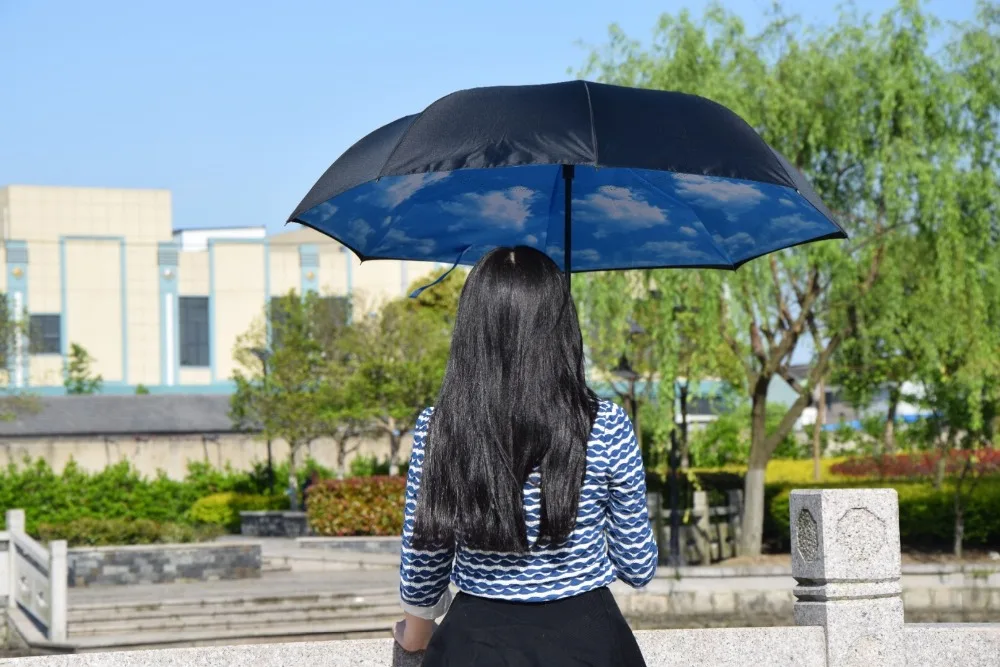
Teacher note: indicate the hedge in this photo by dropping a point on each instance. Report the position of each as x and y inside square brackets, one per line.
[359, 506]
[107, 532]
[921, 464]
[223, 509]
[121, 492]
[926, 514]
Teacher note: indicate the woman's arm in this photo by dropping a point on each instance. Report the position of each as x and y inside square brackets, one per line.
[423, 574]
[631, 544]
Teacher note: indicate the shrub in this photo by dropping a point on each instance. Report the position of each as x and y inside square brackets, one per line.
[358, 506]
[223, 509]
[920, 465]
[110, 532]
[926, 514]
[117, 492]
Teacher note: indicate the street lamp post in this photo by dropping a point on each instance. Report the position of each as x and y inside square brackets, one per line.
[265, 355]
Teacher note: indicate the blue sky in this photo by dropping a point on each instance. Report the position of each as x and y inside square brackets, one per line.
[238, 107]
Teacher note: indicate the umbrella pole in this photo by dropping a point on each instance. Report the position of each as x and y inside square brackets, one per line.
[568, 171]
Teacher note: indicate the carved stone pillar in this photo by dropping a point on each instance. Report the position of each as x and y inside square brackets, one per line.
[846, 561]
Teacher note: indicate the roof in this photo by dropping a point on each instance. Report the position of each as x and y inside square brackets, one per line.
[107, 415]
[298, 235]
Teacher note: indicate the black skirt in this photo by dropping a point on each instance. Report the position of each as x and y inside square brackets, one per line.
[584, 630]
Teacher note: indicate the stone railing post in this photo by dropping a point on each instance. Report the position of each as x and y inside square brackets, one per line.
[58, 583]
[846, 561]
[702, 526]
[15, 526]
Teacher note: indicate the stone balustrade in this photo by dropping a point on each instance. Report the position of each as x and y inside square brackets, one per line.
[848, 612]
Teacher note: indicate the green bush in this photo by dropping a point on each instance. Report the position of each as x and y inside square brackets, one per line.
[117, 492]
[357, 506]
[110, 532]
[926, 514]
[223, 509]
[371, 466]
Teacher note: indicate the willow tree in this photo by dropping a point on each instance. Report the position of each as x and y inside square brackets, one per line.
[870, 113]
[665, 325]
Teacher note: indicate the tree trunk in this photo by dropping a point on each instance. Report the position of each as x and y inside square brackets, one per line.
[889, 435]
[341, 458]
[394, 442]
[959, 525]
[753, 485]
[818, 433]
[685, 457]
[293, 479]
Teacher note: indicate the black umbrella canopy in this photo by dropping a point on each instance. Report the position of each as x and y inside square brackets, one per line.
[680, 181]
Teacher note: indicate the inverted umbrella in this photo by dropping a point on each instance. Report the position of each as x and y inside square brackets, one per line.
[599, 177]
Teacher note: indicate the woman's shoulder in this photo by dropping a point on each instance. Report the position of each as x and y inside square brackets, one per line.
[609, 411]
[610, 418]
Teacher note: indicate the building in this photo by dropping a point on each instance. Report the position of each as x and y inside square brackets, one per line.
[105, 269]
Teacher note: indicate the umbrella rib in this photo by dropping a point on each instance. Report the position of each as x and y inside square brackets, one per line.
[402, 137]
[732, 264]
[593, 127]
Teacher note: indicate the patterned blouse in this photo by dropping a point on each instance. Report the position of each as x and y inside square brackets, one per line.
[612, 539]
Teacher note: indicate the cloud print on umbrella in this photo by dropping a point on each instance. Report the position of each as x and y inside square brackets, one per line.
[622, 205]
[623, 218]
[402, 188]
[509, 208]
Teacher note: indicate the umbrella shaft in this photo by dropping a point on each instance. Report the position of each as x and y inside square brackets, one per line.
[568, 171]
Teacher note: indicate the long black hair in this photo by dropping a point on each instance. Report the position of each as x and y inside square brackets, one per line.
[514, 399]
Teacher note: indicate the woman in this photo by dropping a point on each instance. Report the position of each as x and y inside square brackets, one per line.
[524, 489]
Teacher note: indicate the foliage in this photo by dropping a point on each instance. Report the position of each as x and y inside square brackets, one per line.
[399, 355]
[926, 514]
[922, 465]
[294, 391]
[372, 466]
[724, 440]
[117, 492]
[223, 509]
[80, 378]
[900, 141]
[360, 506]
[96, 532]
[441, 300]
[141, 390]
[663, 324]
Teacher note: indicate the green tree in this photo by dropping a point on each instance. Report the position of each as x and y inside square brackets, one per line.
[13, 331]
[398, 356]
[441, 298]
[287, 396]
[650, 320]
[872, 116]
[80, 378]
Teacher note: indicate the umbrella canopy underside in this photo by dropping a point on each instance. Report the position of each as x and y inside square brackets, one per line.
[622, 218]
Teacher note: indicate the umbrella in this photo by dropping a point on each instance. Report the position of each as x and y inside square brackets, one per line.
[597, 176]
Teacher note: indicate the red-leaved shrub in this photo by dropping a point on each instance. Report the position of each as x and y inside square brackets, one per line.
[920, 465]
[357, 506]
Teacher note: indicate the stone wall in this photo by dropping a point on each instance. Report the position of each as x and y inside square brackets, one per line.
[160, 564]
[274, 524]
[172, 453]
[368, 545]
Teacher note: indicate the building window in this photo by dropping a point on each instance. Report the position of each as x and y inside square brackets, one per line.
[45, 334]
[194, 330]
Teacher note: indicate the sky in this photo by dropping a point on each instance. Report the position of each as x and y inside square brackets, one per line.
[239, 107]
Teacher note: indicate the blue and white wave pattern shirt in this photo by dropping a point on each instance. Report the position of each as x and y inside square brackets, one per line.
[612, 538]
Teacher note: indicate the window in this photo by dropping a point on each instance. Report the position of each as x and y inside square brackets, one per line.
[45, 334]
[194, 330]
